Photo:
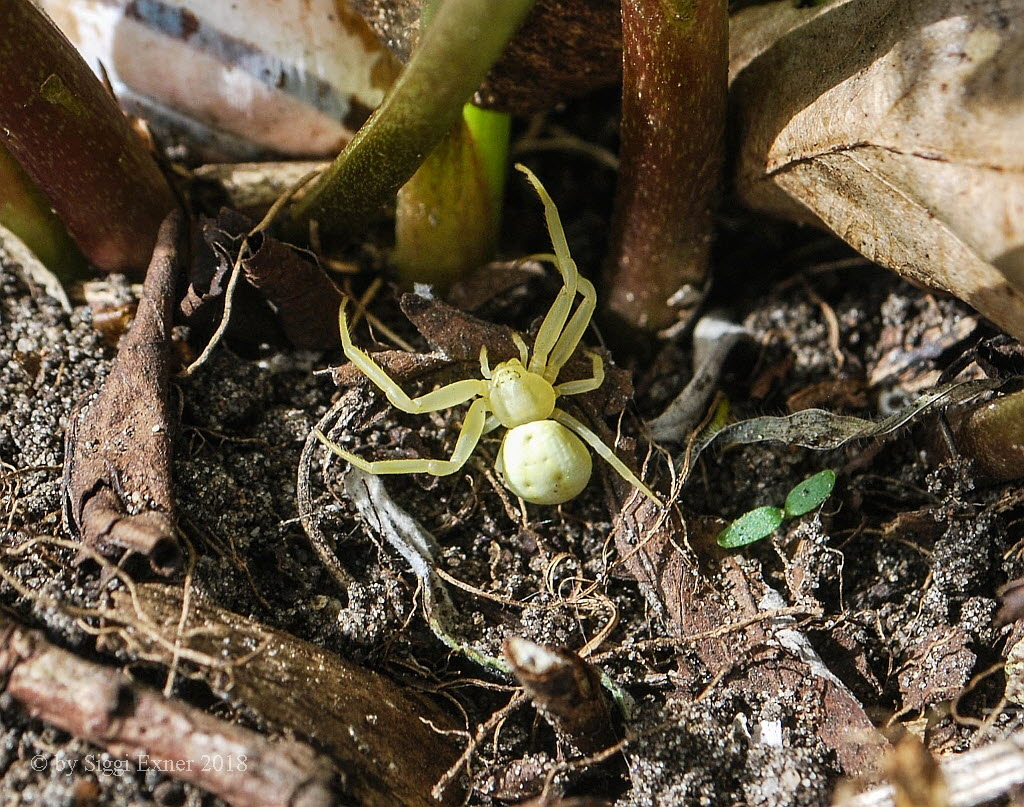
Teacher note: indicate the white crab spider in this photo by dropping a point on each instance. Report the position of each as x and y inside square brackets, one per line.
[542, 459]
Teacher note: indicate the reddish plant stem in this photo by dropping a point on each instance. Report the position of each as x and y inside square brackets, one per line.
[68, 134]
[25, 212]
[675, 62]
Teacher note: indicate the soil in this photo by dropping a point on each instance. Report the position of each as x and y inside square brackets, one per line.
[897, 573]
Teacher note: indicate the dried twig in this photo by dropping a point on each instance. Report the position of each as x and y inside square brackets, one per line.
[568, 692]
[390, 742]
[136, 722]
[974, 777]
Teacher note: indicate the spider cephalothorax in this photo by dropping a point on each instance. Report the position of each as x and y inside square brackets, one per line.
[542, 458]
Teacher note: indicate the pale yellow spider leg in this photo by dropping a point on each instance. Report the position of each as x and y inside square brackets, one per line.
[441, 398]
[557, 315]
[491, 424]
[573, 333]
[563, 339]
[524, 351]
[472, 429]
[562, 255]
[597, 444]
[485, 367]
[584, 384]
[554, 320]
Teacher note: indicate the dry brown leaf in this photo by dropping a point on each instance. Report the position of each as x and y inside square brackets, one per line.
[900, 127]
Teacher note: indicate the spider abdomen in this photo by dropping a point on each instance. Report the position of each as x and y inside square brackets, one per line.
[543, 462]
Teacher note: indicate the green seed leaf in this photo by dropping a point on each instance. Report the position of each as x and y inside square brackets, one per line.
[810, 493]
[750, 527]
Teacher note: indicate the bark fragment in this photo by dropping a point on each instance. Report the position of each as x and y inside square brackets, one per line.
[117, 455]
[391, 743]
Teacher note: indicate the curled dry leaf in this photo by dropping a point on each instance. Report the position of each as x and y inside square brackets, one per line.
[304, 300]
[897, 126]
[117, 457]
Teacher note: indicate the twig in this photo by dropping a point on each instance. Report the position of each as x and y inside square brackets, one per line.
[135, 722]
[567, 691]
[973, 777]
[482, 731]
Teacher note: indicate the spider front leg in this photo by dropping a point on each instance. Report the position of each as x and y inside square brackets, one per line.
[603, 451]
[472, 429]
[573, 333]
[558, 314]
[556, 341]
[442, 398]
[584, 384]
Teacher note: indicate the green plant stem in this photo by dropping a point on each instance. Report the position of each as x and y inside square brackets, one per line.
[490, 130]
[449, 213]
[68, 134]
[26, 213]
[463, 40]
[675, 63]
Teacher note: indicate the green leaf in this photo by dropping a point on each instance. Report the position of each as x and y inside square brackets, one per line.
[750, 527]
[810, 493]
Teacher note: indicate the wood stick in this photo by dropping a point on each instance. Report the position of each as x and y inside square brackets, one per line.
[139, 724]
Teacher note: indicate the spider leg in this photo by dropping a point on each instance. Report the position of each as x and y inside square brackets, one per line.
[555, 319]
[573, 333]
[485, 367]
[584, 384]
[441, 398]
[524, 351]
[603, 451]
[472, 429]
[491, 424]
[558, 314]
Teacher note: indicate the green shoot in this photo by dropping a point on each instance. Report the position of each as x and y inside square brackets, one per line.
[25, 212]
[750, 527]
[464, 38]
[761, 522]
[810, 493]
[449, 213]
